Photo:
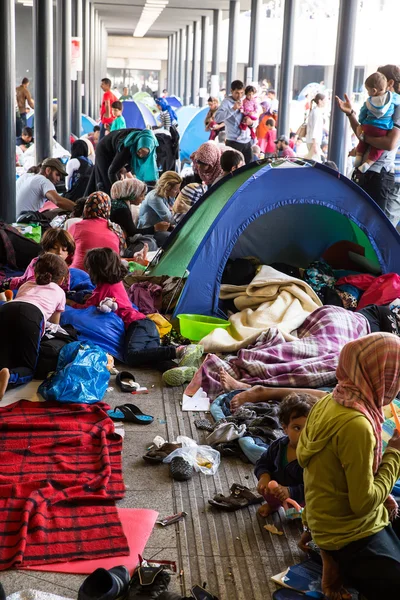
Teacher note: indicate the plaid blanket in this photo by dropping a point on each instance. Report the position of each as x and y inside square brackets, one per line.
[309, 361]
[60, 476]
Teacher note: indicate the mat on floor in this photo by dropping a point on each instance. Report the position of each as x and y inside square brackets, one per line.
[61, 474]
[137, 524]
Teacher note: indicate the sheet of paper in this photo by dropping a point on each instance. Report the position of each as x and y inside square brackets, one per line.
[199, 402]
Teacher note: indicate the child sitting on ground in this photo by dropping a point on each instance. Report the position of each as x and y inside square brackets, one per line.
[54, 241]
[250, 110]
[142, 340]
[279, 462]
[23, 321]
[376, 118]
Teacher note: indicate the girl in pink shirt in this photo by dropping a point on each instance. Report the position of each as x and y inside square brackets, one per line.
[142, 340]
[270, 137]
[23, 320]
[96, 230]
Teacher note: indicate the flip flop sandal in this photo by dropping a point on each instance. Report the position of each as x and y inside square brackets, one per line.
[126, 387]
[240, 497]
[130, 413]
[157, 455]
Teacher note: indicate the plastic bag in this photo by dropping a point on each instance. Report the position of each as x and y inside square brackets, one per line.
[81, 375]
[202, 458]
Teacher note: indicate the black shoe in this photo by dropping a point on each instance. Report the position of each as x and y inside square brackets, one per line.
[105, 585]
[2, 593]
[181, 469]
[149, 583]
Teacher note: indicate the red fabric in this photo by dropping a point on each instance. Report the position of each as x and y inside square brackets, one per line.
[92, 233]
[363, 147]
[114, 290]
[337, 255]
[378, 290]
[112, 98]
[60, 476]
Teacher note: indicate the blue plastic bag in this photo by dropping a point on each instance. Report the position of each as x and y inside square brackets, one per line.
[81, 375]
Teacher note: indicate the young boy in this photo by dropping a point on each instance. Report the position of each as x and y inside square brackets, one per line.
[230, 160]
[25, 139]
[279, 462]
[119, 121]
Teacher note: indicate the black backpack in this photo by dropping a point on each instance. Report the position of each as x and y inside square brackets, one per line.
[80, 179]
[50, 348]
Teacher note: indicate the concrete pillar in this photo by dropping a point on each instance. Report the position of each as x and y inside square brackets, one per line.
[179, 89]
[255, 27]
[187, 82]
[342, 80]
[43, 66]
[86, 57]
[195, 63]
[64, 87]
[172, 86]
[287, 67]
[231, 67]
[203, 57]
[76, 93]
[216, 57]
[169, 62]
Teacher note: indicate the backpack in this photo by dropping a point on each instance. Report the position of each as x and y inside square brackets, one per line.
[16, 251]
[80, 179]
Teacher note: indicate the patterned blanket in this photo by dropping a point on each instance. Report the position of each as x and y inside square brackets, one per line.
[309, 361]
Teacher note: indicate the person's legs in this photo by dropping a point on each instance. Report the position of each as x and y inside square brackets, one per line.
[23, 119]
[380, 186]
[251, 449]
[101, 166]
[392, 210]
[102, 132]
[142, 345]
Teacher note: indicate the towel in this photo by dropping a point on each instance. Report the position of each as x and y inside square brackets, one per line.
[272, 299]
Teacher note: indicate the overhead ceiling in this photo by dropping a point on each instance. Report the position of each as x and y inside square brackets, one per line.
[121, 16]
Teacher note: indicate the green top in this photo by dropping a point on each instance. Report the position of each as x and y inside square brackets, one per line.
[344, 499]
[118, 123]
[128, 97]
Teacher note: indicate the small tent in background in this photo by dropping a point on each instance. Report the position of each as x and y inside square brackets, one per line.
[174, 101]
[285, 212]
[137, 115]
[193, 134]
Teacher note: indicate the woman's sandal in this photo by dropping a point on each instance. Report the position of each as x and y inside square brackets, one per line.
[157, 455]
[240, 497]
[126, 387]
[130, 413]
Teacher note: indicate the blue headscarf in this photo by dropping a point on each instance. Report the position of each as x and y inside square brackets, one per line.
[165, 106]
[145, 168]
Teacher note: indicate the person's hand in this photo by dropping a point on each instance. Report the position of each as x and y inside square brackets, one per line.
[359, 131]
[344, 105]
[237, 105]
[305, 539]
[394, 441]
[162, 226]
[262, 487]
[353, 152]
[281, 493]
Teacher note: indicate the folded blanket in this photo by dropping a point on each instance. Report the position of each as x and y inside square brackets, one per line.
[272, 299]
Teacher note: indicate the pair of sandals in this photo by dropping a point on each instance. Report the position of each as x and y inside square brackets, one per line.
[240, 497]
[128, 412]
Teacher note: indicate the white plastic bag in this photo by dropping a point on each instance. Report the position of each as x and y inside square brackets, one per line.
[202, 458]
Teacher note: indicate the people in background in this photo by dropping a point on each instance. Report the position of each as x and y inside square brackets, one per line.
[250, 110]
[25, 140]
[79, 169]
[271, 95]
[106, 115]
[283, 147]
[167, 114]
[119, 121]
[34, 189]
[293, 140]
[164, 94]
[315, 127]
[262, 129]
[158, 203]
[125, 95]
[257, 154]
[24, 98]
[96, 230]
[75, 215]
[209, 122]
[270, 138]
[93, 137]
[230, 113]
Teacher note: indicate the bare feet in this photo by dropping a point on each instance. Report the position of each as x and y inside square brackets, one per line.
[250, 395]
[4, 379]
[264, 510]
[331, 580]
[229, 384]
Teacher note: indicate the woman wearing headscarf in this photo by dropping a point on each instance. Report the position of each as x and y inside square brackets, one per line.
[262, 129]
[167, 114]
[96, 230]
[347, 478]
[79, 169]
[206, 162]
[132, 149]
[124, 195]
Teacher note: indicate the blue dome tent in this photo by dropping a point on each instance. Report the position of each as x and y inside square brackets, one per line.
[193, 134]
[138, 115]
[285, 212]
[174, 101]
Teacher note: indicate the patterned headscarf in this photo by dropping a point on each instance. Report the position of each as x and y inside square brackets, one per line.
[98, 206]
[207, 162]
[126, 190]
[163, 104]
[369, 379]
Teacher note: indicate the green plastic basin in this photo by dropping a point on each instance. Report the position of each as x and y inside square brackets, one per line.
[195, 327]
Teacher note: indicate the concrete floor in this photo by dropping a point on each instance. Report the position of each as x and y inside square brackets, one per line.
[230, 551]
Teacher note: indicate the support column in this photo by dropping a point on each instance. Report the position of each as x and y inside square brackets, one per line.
[77, 84]
[86, 57]
[7, 110]
[43, 66]
[255, 26]
[287, 67]
[97, 63]
[179, 88]
[203, 57]
[169, 63]
[342, 80]
[172, 89]
[195, 64]
[64, 87]
[216, 58]
[231, 65]
[187, 83]
[91, 62]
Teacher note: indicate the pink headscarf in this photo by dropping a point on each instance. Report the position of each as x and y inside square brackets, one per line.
[207, 162]
[369, 379]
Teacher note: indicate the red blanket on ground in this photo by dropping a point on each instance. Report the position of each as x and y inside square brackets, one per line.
[60, 475]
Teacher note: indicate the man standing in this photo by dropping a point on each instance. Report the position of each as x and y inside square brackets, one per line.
[24, 97]
[283, 147]
[106, 115]
[379, 181]
[230, 113]
[34, 190]
[125, 95]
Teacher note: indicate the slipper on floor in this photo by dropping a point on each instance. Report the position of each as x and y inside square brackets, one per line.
[179, 375]
[157, 455]
[240, 497]
[126, 387]
[130, 413]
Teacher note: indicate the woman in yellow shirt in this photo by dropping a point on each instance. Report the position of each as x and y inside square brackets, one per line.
[347, 479]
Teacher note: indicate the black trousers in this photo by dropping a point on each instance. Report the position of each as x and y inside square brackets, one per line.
[21, 331]
[245, 149]
[380, 186]
[142, 345]
[372, 565]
